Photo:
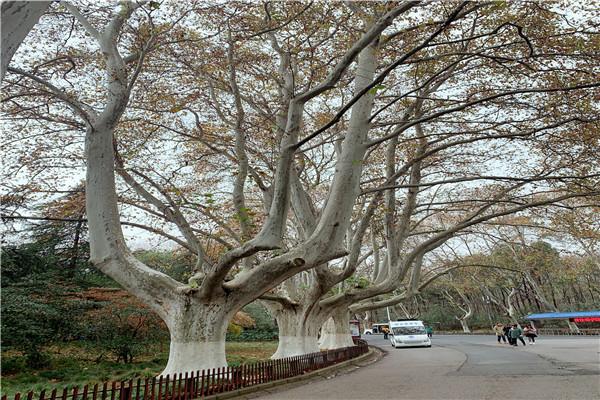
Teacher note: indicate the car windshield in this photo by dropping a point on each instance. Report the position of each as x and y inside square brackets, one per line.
[409, 330]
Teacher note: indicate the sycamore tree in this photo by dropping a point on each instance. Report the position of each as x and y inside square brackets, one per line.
[271, 140]
[537, 264]
[196, 313]
[518, 272]
[436, 150]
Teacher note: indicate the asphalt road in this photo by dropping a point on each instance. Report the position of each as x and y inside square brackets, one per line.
[467, 367]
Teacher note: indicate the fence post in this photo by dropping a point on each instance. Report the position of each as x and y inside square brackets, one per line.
[214, 381]
[187, 385]
[241, 376]
[130, 387]
[123, 392]
[160, 383]
[211, 381]
[153, 388]
[202, 385]
[220, 379]
[145, 390]
[95, 392]
[113, 389]
[174, 387]
[137, 389]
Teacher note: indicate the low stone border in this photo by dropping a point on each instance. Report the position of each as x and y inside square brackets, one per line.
[374, 352]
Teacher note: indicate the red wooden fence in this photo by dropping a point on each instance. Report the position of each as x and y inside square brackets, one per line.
[193, 385]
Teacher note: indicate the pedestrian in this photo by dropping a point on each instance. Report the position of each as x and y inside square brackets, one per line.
[385, 331]
[516, 333]
[506, 331]
[429, 331]
[499, 330]
[531, 333]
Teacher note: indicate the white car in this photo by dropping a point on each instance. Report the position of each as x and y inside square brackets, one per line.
[408, 334]
[375, 329]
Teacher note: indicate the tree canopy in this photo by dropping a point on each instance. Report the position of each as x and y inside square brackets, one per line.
[322, 157]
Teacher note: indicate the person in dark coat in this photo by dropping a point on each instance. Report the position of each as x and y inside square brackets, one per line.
[516, 333]
[506, 329]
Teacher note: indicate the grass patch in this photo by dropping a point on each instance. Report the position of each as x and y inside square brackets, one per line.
[249, 352]
[74, 365]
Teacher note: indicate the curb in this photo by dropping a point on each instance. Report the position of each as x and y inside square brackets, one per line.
[374, 352]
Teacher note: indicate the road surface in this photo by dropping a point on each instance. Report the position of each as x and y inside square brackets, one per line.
[466, 367]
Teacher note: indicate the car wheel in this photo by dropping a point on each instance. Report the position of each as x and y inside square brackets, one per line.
[393, 343]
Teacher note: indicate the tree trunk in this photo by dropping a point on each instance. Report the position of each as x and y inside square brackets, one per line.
[465, 327]
[18, 18]
[538, 291]
[197, 335]
[573, 327]
[298, 332]
[510, 309]
[335, 333]
[552, 292]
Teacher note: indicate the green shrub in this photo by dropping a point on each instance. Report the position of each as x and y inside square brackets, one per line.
[123, 328]
[234, 329]
[29, 323]
[254, 335]
[11, 365]
[264, 320]
[60, 375]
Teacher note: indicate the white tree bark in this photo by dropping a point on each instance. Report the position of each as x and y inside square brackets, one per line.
[197, 335]
[510, 308]
[18, 18]
[299, 327]
[298, 332]
[335, 332]
[464, 325]
[465, 308]
[539, 293]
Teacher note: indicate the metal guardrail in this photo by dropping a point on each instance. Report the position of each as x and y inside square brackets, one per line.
[567, 332]
[541, 331]
[198, 384]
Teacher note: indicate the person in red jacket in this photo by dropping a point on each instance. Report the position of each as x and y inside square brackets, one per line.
[530, 333]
